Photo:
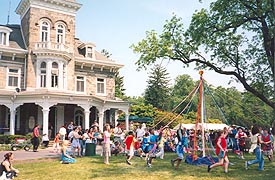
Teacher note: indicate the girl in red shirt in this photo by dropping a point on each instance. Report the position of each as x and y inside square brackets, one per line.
[221, 149]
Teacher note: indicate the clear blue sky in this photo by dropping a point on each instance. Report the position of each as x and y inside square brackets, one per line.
[116, 24]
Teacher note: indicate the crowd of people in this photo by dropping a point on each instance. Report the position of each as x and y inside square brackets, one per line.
[150, 143]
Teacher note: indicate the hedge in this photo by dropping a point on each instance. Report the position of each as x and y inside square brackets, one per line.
[9, 139]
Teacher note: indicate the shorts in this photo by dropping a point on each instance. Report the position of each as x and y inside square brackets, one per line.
[222, 155]
[180, 151]
[130, 152]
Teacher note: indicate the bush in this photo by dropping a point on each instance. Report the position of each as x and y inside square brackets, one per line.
[9, 139]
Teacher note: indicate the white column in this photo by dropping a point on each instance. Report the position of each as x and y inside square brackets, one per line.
[60, 75]
[100, 123]
[12, 120]
[116, 117]
[127, 120]
[48, 74]
[45, 120]
[87, 118]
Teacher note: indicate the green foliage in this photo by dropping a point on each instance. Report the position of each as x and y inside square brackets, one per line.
[8, 139]
[142, 110]
[119, 84]
[157, 91]
[237, 36]
[162, 118]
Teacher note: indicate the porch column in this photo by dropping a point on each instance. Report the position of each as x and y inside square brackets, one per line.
[100, 123]
[127, 120]
[116, 117]
[87, 118]
[12, 120]
[45, 120]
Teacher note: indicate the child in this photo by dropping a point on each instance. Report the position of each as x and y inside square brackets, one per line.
[65, 157]
[256, 142]
[7, 170]
[221, 149]
[153, 151]
[182, 143]
[129, 142]
[267, 145]
[56, 143]
[240, 136]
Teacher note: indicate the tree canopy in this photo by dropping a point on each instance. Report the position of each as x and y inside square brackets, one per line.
[157, 91]
[233, 38]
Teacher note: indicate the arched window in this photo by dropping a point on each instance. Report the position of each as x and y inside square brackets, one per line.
[54, 75]
[78, 118]
[43, 72]
[60, 34]
[45, 31]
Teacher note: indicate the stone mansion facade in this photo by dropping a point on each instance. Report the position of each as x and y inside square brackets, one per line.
[50, 77]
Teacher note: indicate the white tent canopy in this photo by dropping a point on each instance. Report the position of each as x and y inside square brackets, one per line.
[207, 126]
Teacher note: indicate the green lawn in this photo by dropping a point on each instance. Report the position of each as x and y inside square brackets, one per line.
[93, 168]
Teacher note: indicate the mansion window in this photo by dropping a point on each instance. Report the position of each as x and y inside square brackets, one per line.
[100, 86]
[60, 34]
[80, 83]
[43, 73]
[90, 52]
[13, 77]
[3, 38]
[45, 31]
[54, 75]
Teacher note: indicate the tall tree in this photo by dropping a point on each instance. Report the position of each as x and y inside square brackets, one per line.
[237, 36]
[157, 91]
[119, 86]
[183, 86]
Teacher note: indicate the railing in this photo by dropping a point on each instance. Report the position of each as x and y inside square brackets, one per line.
[51, 46]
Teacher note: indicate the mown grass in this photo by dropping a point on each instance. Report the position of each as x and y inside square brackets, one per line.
[93, 168]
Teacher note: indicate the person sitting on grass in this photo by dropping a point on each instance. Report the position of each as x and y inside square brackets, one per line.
[65, 157]
[7, 171]
[221, 149]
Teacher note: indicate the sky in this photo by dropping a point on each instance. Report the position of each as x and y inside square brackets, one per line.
[115, 25]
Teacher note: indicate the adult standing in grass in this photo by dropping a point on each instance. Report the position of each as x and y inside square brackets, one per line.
[106, 143]
[35, 137]
[256, 141]
[221, 152]
[65, 157]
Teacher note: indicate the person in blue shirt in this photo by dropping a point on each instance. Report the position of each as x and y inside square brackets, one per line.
[152, 148]
[182, 143]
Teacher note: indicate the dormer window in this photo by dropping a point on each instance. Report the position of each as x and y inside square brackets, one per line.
[4, 35]
[89, 52]
[3, 38]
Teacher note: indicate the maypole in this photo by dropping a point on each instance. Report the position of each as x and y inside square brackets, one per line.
[202, 112]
